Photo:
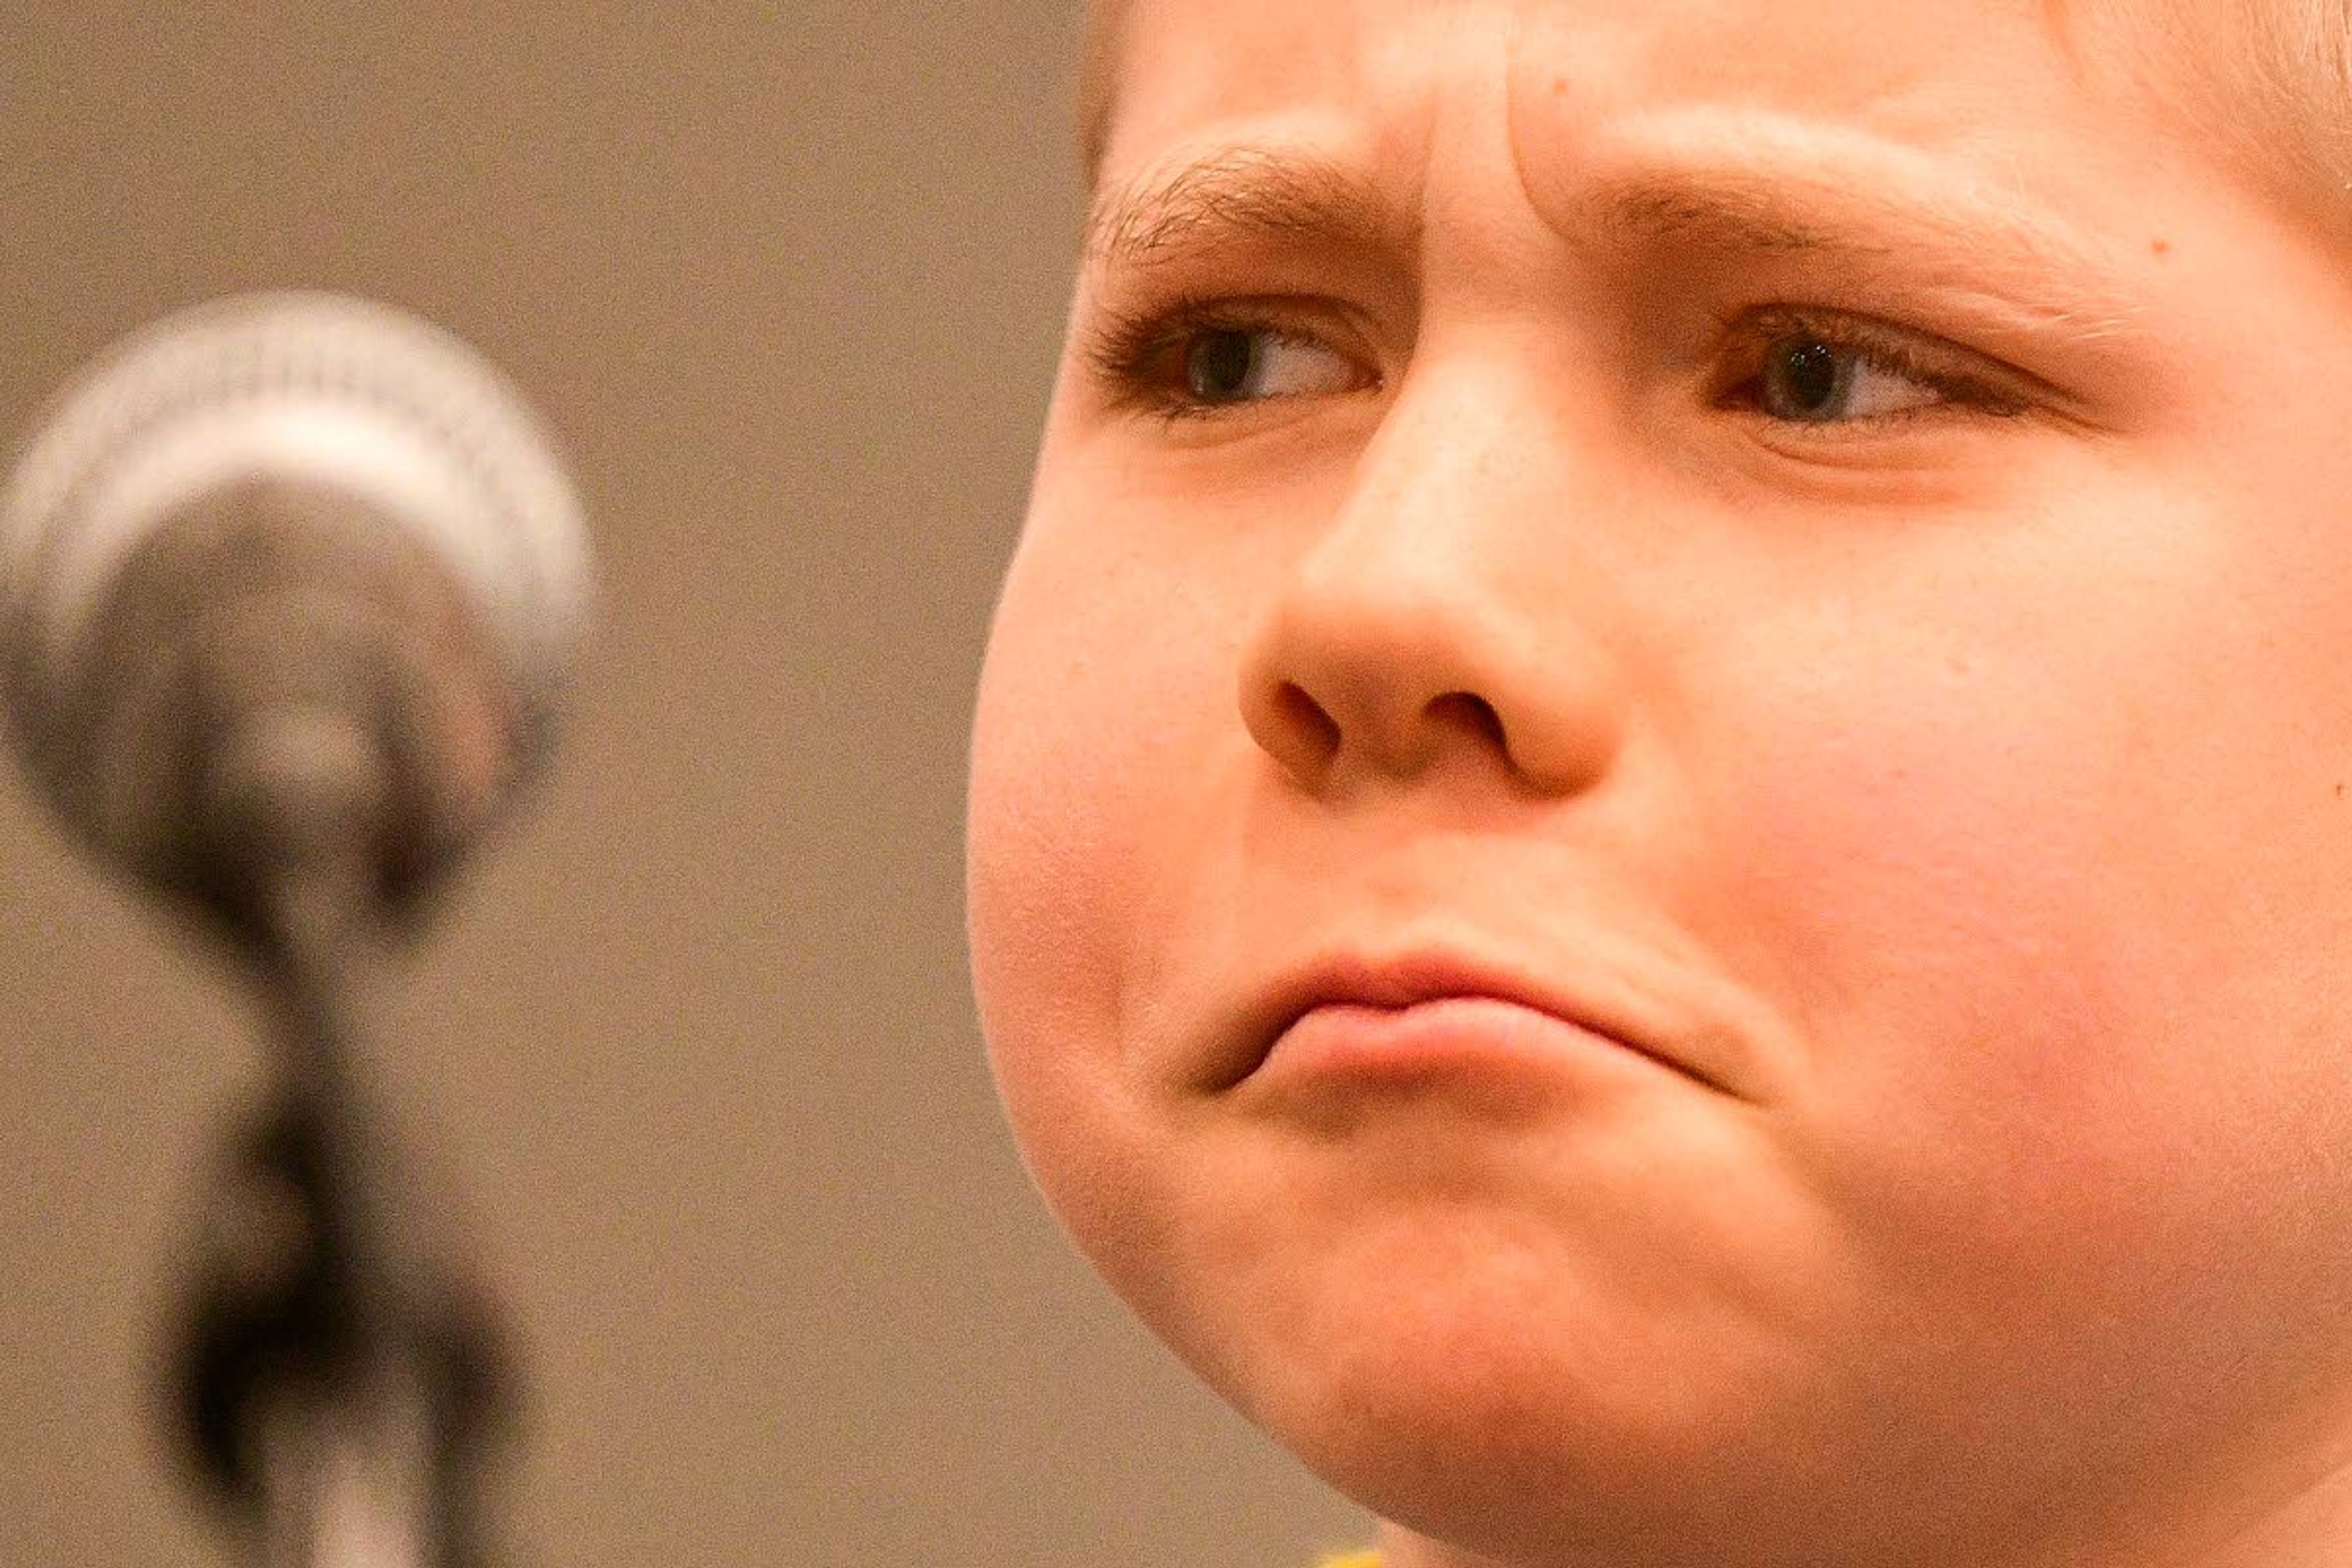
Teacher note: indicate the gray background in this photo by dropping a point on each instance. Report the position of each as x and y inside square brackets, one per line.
[694, 1036]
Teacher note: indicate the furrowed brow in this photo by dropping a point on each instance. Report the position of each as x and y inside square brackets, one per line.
[1243, 195]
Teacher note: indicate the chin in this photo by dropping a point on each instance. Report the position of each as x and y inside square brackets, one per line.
[1518, 1419]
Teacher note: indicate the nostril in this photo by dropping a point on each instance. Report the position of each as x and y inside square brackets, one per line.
[1306, 718]
[1470, 713]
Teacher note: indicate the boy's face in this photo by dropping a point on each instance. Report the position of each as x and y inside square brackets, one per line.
[1813, 542]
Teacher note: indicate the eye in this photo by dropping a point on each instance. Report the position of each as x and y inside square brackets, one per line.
[1203, 358]
[1242, 365]
[1801, 371]
[1810, 381]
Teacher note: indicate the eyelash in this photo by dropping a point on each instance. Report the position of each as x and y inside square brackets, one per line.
[1965, 381]
[1139, 357]
[1130, 353]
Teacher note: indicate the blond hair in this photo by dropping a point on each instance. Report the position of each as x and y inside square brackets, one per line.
[1106, 21]
[2268, 83]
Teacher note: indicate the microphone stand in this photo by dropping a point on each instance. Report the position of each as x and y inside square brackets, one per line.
[339, 1375]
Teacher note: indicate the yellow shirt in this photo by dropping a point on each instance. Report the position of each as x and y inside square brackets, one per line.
[1354, 1560]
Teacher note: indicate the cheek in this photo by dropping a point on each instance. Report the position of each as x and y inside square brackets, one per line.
[2061, 940]
[1946, 923]
[1107, 697]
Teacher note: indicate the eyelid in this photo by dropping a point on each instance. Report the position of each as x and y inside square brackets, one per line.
[1972, 380]
[1120, 345]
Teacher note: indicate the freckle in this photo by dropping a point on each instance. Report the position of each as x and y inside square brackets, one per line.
[2160, 246]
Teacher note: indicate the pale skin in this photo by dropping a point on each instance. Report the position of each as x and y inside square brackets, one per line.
[1795, 563]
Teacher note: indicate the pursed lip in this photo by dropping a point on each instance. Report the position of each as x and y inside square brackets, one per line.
[1408, 979]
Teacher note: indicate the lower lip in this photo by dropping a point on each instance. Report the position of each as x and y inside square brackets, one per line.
[1449, 1037]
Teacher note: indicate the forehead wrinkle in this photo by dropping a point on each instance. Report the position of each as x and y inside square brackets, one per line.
[1239, 193]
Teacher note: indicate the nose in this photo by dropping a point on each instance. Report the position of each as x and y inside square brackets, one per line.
[1443, 615]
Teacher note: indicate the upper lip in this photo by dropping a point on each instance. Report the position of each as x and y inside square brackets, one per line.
[1402, 979]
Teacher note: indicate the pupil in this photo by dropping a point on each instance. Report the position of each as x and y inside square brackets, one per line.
[1808, 376]
[1220, 364]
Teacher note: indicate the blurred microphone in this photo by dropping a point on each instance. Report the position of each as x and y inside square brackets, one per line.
[287, 586]
[286, 576]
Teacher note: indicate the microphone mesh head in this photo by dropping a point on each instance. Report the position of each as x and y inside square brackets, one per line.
[304, 387]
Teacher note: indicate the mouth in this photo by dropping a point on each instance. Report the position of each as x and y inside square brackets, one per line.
[1409, 1015]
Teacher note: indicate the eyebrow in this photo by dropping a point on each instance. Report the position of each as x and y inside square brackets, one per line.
[1789, 211]
[1865, 218]
[1239, 193]
[1270, 195]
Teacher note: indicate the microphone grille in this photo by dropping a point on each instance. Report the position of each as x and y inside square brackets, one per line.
[302, 385]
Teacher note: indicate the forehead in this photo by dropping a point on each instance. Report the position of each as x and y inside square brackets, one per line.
[1161, 68]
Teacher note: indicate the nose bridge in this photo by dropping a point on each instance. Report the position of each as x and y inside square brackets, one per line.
[1437, 609]
[1403, 581]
